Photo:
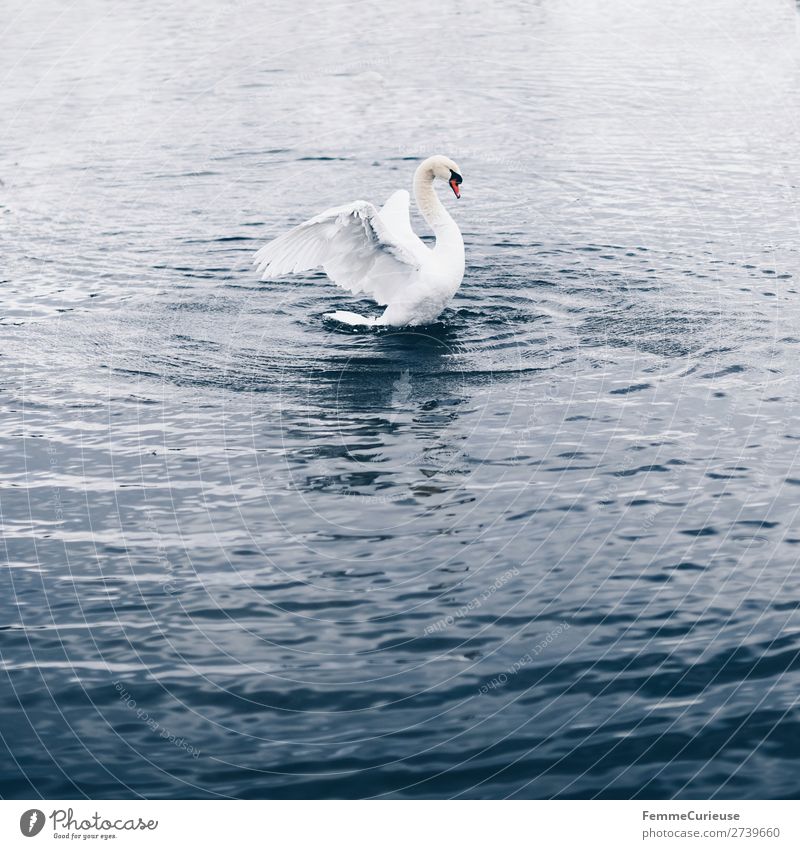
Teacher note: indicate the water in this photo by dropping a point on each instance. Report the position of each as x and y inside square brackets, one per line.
[546, 547]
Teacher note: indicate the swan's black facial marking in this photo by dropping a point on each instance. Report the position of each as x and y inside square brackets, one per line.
[455, 181]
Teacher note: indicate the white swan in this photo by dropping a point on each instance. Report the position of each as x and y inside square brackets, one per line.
[376, 253]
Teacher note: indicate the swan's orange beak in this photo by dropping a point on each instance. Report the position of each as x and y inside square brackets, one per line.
[454, 186]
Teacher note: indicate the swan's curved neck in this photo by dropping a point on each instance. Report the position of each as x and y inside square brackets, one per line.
[432, 208]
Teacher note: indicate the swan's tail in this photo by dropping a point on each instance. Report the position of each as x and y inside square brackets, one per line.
[352, 318]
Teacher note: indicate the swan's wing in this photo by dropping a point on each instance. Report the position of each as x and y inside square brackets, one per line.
[354, 245]
[395, 214]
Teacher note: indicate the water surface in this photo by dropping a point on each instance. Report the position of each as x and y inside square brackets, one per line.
[544, 548]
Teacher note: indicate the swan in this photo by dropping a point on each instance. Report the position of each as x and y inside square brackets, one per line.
[376, 253]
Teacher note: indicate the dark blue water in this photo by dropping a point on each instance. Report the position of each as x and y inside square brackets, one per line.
[546, 547]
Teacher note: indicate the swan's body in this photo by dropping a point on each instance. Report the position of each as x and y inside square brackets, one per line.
[376, 253]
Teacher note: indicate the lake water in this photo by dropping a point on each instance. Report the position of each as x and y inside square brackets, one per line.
[547, 547]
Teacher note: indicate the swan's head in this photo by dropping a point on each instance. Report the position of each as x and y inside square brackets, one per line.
[447, 170]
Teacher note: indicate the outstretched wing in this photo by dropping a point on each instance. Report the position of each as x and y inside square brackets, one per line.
[353, 244]
[395, 215]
